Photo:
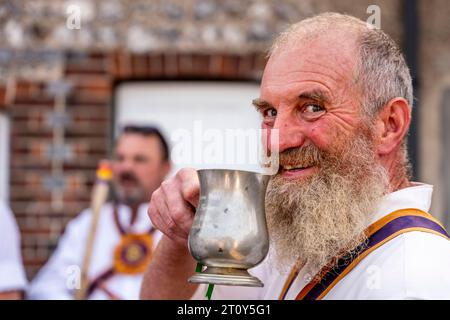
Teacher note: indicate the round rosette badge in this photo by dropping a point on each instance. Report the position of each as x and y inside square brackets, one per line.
[133, 254]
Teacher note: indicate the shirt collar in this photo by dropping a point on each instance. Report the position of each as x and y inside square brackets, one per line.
[142, 220]
[417, 196]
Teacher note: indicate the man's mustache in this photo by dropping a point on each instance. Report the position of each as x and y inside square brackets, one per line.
[302, 156]
[128, 177]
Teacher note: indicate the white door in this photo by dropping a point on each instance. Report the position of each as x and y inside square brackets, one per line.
[207, 124]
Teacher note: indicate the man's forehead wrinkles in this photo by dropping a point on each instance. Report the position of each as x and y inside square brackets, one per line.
[335, 76]
[311, 66]
[301, 85]
[336, 66]
[306, 75]
[332, 73]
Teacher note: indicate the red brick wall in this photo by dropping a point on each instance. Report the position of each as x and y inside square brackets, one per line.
[87, 134]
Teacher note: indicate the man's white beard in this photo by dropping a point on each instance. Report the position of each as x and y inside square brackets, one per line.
[318, 219]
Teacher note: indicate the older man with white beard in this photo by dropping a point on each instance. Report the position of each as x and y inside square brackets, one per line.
[344, 218]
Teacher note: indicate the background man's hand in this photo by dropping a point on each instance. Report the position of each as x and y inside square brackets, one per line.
[172, 205]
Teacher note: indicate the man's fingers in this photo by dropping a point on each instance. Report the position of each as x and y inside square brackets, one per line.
[190, 185]
[172, 205]
[181, 211]
[166, 223]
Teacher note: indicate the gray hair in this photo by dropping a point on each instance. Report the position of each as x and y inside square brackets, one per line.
[381, 72]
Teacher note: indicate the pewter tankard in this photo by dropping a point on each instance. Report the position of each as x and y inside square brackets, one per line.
[229, 232]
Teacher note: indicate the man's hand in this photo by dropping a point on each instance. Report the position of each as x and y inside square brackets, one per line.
[11, 295]
[172, 205]
[171, 210]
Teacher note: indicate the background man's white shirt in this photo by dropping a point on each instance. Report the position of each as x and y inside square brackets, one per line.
[56, 279]
[414, 265]
[12, 274]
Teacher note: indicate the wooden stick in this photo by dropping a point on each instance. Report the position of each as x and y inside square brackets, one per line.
[99, 197]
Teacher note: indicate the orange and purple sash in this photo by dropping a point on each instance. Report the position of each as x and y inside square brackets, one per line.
[385, 229]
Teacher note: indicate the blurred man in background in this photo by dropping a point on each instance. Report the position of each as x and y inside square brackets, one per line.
[12, 274]
[124, 239]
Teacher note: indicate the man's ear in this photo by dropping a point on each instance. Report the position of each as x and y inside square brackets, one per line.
[392, 125]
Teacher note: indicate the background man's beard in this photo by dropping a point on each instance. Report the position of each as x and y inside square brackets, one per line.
[318, 219]
[131, 196]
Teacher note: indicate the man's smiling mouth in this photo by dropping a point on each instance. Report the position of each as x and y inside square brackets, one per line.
[297, 171]
[296, 167]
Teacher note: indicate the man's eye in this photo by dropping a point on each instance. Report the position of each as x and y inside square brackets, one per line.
[314, 108]
[140, 159]
[272, 112]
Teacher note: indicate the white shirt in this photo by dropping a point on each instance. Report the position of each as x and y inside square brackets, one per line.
[12, 274]
[58, 278]
[413, 265]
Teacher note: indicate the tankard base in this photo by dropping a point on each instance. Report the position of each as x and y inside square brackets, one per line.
[227, 277]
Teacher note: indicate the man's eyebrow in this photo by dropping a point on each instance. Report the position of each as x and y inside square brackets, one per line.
[261, 104]
[317, 95]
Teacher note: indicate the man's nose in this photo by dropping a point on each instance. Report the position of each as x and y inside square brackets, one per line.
[289, 132]
[126, 165]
